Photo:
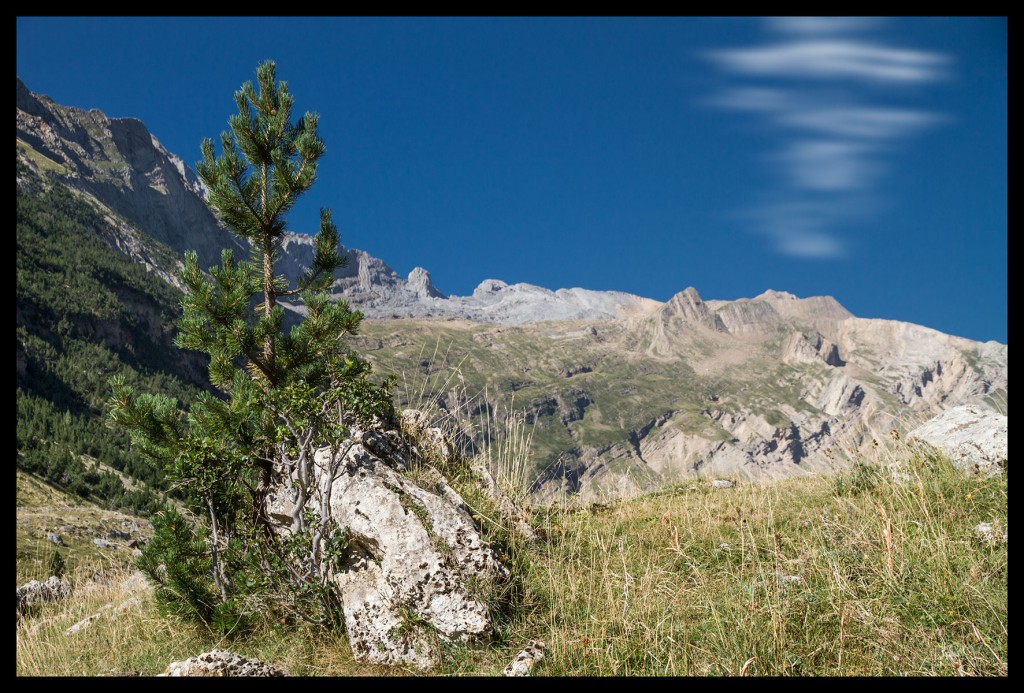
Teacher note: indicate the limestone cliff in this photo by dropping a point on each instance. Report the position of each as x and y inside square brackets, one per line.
[123, 168]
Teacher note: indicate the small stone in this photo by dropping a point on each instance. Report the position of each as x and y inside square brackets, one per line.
[526, 660]
[222, 663]
[986, 532]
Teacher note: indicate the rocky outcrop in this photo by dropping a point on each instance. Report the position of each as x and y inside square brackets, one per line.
[823, 314]
[974, 438]
[926, 370]
[417, 426]
[34, 593]
[420, 284]
[687, 307]
[802, 347]
[745, 316]
[413, 553]
[840, 396]
[573, 405]
[222, 663]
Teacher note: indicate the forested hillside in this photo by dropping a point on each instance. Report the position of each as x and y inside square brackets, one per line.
[84, 313]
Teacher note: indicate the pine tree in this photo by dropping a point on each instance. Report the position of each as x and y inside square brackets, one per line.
[284, 393]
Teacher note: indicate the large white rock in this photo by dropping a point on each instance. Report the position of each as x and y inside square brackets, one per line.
[973, 437]
[413, 551]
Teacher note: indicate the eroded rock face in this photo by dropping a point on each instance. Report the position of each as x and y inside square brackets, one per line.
[973, 437]
[809, 348]
[414, 550]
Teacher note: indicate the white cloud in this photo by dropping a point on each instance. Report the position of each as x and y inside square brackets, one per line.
[816, 114]
[867, 122]
[829, 164]
[808, 244]
[815, 90]
[753, 99]
[834, 59]
[799, 228]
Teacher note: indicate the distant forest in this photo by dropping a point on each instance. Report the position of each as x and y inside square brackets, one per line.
[85, 313]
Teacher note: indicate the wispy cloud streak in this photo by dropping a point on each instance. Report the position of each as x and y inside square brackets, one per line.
[834, 59]
[813, 90]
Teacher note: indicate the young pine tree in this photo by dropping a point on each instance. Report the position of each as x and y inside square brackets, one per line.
[284, 393]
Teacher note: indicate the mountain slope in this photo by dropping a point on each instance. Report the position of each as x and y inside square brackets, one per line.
[749, 389]
[118, 163]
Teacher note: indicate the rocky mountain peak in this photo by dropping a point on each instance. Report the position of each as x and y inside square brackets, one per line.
[488, 287]
[773, 295]
[28, 102]
[688, 307]
[420, 283]
[823, 314]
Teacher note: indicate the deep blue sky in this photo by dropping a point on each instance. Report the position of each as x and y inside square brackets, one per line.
[860, 158]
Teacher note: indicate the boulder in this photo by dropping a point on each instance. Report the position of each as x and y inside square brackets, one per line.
[36, 592]
[972, 436]
[434, 443]
[413, 553]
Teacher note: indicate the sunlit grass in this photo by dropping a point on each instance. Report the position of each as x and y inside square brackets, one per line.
[877, 571]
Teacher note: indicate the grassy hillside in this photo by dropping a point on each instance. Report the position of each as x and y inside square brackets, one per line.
[555, 372]
[43, 510]
[867, 573]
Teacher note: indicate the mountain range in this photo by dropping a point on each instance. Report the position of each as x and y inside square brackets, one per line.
[622, 394]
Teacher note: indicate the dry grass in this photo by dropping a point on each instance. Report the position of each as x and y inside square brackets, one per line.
[858, 575]
[866, 573]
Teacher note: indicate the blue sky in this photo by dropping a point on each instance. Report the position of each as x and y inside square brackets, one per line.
[862, 158]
